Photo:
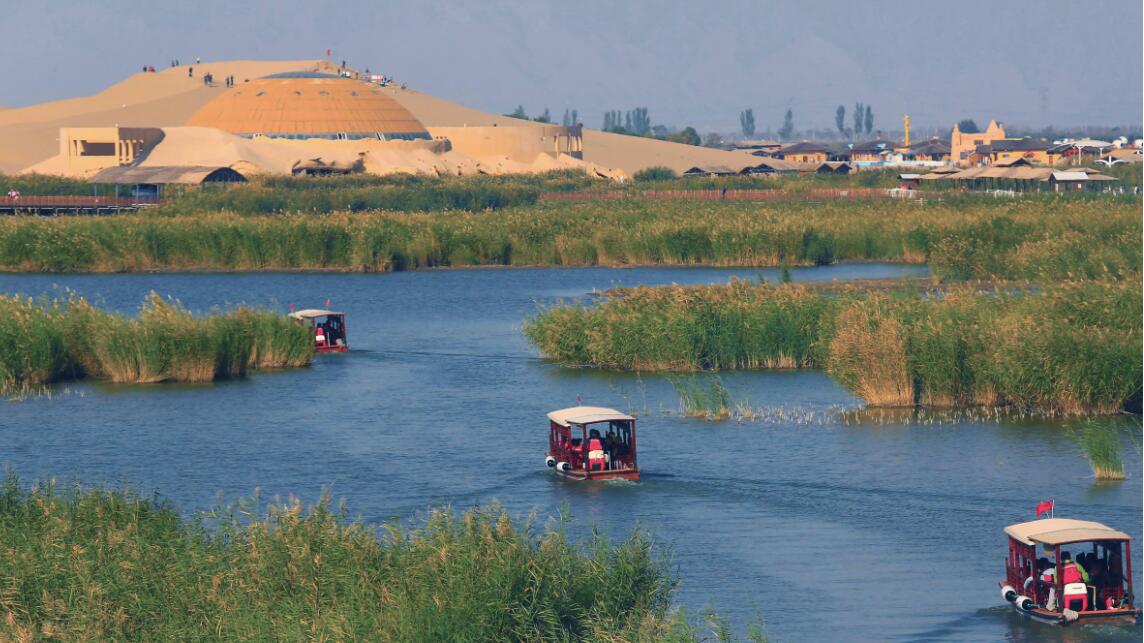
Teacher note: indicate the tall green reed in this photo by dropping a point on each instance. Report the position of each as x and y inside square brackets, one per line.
[109, 565]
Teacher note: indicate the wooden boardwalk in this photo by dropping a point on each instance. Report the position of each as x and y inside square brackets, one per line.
[54, 205]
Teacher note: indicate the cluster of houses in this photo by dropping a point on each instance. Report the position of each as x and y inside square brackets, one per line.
[986, 159]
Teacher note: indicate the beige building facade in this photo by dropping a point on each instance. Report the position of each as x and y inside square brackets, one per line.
[90, 149]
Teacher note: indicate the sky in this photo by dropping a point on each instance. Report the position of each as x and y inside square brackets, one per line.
[1028, 63]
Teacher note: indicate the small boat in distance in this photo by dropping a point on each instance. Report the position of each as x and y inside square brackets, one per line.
[328, 326]
[1091, 583]
[592, 443]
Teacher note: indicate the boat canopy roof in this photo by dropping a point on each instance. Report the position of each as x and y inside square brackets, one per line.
[311, 313]
[1061, 531]
[586, 415]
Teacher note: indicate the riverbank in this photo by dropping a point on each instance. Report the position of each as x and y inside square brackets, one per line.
[1069, 348]
[1039, 239]
[43, 343]
[93, 563]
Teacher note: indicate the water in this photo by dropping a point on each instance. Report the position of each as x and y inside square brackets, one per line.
[821, 528]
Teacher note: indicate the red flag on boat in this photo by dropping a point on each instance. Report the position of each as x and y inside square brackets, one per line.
[327, 302]
[1044, 507]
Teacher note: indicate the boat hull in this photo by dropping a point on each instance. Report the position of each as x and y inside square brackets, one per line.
[1123, 616]
[332, 349]
[580, 474]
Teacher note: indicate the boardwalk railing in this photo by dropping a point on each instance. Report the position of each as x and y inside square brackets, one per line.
[718, 195]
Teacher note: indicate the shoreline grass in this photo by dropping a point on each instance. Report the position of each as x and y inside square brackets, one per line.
[42, 343]
[1037, 239]
[1064, 349]
[110, 565]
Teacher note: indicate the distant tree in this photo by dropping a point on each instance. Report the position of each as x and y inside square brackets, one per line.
[518, 113]
[869, 118]
[712, 140]
[840, 119]
[787, 129]
[688, 136]
[857, 117]
[640, 121]
[564, 121]
[575, 118]
[628, 121]
[659, 131]
[966, 125]
[544, 118]
[613, 121]
[747, 122]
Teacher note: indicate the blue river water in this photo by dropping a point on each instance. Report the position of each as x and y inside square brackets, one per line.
[820, 523]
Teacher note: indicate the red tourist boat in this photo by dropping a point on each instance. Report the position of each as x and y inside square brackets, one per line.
[592, 443]
[1083, 576]
[328, 327]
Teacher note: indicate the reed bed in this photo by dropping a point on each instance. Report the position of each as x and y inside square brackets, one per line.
[94, 564]
[46, 342]
[1063, 349]
[1100, 443]
[706, 398]
[1036, 238]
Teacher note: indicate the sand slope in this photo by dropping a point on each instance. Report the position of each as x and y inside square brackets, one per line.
[628, 153]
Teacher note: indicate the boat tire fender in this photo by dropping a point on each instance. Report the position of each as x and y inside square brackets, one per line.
[1008, 593]
[550, 461]
[1023, 603]
[562, 467]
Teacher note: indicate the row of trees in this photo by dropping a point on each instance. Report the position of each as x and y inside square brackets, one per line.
[570, 116]
[635, 121]
[863, 117]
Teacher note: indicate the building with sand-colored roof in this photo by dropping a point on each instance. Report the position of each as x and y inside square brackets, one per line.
[310, 105]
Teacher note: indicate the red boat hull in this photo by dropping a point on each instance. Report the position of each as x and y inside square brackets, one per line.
[331, 349]
[620, 474]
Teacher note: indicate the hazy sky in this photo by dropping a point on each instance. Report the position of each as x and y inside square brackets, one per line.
[1030, 63]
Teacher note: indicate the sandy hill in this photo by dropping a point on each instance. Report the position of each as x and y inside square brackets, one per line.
[628, 153]
[169, 97]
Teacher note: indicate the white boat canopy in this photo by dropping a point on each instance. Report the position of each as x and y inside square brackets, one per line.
[1061, 531]
[311, 313]
[586, 415]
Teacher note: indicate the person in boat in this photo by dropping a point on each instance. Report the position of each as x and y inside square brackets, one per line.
[577, 453]
[596, 451]
[1073, 571]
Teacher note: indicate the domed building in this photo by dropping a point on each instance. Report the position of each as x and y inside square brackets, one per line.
[310, 105]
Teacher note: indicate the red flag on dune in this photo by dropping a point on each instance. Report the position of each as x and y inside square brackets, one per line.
[1044, 507]
[327, 52]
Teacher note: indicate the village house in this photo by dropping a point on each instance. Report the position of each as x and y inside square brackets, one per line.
[804, 152]
[963, 145]
[1008, 149]
[876, 152]
[932, 152]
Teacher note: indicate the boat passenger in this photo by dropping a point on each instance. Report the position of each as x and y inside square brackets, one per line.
[596, 451]
[1073, 572]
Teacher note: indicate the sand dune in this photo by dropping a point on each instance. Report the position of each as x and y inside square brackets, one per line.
[168, 98]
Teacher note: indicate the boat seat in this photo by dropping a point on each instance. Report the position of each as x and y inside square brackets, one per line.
[1076, 593]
